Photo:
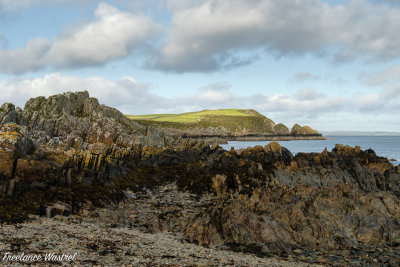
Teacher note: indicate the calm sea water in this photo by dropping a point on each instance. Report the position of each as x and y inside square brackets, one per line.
[385, 146]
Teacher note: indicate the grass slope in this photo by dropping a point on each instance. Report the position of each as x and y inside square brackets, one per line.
[234, 120]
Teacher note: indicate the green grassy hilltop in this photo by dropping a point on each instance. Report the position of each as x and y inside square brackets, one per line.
[236, 121]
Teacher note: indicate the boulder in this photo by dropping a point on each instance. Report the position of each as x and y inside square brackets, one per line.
[7, 107]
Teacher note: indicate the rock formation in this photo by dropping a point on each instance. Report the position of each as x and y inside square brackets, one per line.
[68, 155]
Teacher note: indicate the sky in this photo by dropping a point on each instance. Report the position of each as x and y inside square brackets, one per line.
[332, 65]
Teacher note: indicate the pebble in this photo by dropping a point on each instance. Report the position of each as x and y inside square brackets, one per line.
[96, 245]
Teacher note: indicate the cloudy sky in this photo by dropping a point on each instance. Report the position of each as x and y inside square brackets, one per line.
[333, 65]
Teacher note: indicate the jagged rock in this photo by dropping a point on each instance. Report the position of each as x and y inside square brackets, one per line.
[76, 115]
[13, 145]
[8, 113]
[7, 107]
[89, 105]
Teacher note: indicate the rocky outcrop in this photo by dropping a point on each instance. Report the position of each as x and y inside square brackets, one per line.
[75, 119]
[67, 154]
[281, 129]
[264, 200]
[298, 130]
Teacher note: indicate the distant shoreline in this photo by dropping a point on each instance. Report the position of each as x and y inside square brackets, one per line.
[225, 139]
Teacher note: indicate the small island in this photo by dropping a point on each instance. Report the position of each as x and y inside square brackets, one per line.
[223, 125]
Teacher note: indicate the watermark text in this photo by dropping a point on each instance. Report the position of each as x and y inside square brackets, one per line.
[22, 257]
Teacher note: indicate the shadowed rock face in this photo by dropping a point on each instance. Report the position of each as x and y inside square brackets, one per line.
[64, 153]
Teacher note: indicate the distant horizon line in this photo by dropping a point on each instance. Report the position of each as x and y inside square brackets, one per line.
[362, 133]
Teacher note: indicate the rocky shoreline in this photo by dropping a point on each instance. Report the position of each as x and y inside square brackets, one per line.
[73, 161]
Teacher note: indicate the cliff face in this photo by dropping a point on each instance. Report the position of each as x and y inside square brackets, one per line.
[76, 156]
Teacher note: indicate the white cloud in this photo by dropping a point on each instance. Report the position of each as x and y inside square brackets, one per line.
[209, 35]
[134, 97]
[205, 35]
[12, 5]
[126, 93]
[114, 34]
[31, 57]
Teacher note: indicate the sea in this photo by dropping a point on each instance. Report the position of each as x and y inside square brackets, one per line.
[385, 146]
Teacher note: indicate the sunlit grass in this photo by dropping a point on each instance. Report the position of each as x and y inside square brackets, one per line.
[191, 116]
[234, 120]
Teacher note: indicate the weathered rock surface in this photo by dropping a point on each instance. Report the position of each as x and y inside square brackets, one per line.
[77, 119]
[67, 154]
[13, 145]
